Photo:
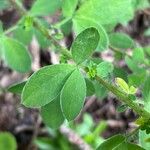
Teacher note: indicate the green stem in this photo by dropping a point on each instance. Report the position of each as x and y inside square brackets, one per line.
[11, 29]
[121, 96]
[45, 32]
[124, 98]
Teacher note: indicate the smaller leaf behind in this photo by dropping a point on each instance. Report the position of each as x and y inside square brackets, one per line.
[17, 88]
[85, 44]
[112, 142]
[121, 41]
[90, 90]
[73, 95]
[15, 55]
[128, 146]
[104, 69]
[52, 114]
[68, 7]
[44, 7]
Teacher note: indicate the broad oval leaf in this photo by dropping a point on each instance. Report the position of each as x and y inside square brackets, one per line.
[121, 41]
[15, 55]
[7, 141]
[85, 44]
[73, 95]
[44, 85]
[106, 12]
[52, 114]
[81, 24]
[112, 142]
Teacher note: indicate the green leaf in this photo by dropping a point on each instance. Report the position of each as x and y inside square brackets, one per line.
[100, 90]
[52, 114]
[84, 128]
[146, 89]
[66, 28]
[85, 44]
[147, 50]
[142, 140]
[112, 142]
[44, 143]
[133, 65]
[122, 84]
[140, 4]
[73, 95]
[15, 55]
[104, 69]
[132, 90]
[22, 35]
[4, 4]
[136, 79]
[120, 41]
[42, 40]
[121, 73]
[81, 24]
[44, 85]
[7, 141]
[143, 136]
[68, 7]
[17, 88]
[128, 146]
[106, 12]
[138, 55]
[90, 90]
[45, 7]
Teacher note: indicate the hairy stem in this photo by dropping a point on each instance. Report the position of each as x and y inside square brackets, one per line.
[124, 98]
[121, 96]
[132, 133]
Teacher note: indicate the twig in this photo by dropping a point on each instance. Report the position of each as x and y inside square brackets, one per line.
[35, 133]
[74, 138]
